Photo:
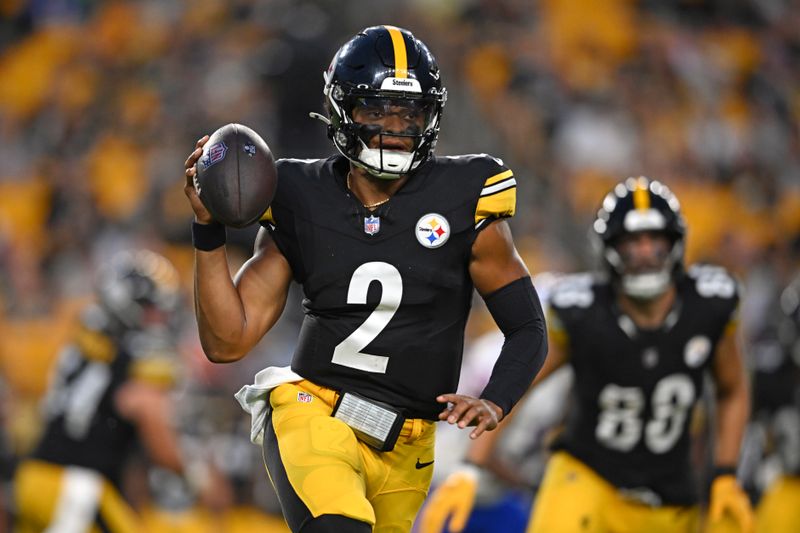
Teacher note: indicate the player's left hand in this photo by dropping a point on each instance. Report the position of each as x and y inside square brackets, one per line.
[468, 411]
[728, 497]
[452, 501]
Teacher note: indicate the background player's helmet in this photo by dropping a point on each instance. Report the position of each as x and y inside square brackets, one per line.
[639, 204]
[137, 287]
[383, 62]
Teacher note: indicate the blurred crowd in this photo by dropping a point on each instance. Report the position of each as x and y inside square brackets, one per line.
[101, 102]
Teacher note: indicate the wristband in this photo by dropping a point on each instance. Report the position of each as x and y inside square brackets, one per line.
[208, 237]
[723, 471]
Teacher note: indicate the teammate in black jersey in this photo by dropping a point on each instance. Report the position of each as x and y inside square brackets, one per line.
[387, 242]
[640, 341]
[109, 392]
[778, 510]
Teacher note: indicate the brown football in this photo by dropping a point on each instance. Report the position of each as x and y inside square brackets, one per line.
[236, 176]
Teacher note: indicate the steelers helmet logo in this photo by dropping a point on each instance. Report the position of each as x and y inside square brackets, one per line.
[432, 230]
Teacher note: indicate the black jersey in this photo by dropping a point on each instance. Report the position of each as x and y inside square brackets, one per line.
[635, 389]
[387, 292]
[83, 426]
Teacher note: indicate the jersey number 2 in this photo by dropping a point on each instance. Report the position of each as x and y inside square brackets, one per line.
[349, 352]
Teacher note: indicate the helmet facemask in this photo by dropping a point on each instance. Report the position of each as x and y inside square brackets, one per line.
[645, 282]
[353, 135]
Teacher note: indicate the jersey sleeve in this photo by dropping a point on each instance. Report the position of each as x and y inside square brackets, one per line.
[153, 362]
[279, 219]
[498, 196]
[721, 293]
[91, 337]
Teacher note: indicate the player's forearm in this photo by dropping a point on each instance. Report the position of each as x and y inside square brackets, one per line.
[733, 410]
[218, 307]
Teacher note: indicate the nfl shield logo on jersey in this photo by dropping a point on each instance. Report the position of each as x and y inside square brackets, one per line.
[432, 230]
[372, 225]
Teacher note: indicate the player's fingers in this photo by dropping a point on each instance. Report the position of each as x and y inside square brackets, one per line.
[472, 416]
[460, 516]
[486, 423]
[448, 398]
[201, 141]
[460, 407]
[193, 157]
[433, 517]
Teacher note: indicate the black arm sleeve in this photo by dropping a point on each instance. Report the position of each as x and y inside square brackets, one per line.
[518, 313]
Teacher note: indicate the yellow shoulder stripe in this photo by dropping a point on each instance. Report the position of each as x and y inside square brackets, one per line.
[159, 371]
[267, 216]
[497, 205]
[498, 177]
[95, 345]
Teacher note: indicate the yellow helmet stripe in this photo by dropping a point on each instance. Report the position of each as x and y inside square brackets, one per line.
[268, 216]
[641, 196]
[400, 59]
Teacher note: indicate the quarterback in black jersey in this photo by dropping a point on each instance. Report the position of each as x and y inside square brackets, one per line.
[109, 391]
[388, 243]
[640, 340]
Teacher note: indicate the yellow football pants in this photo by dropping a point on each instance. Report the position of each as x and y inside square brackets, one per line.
[779, 509]
[575, 499]
[50, 496]
[332, 472]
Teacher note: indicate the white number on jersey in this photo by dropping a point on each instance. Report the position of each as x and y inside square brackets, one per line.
[712, 281]
[619, 425]
[76, 393]
[573, 291]
[349, 351]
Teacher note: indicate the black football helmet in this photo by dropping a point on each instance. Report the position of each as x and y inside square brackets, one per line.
[389, 65]
[635, 205]
[136, 285]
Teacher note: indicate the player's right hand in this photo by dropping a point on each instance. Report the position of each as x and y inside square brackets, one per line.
[728, 498]
[452, 500]
[201, 214]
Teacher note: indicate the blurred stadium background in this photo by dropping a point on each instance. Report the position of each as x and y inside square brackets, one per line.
[101, 101]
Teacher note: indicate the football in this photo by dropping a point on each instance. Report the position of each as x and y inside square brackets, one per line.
[236, 176]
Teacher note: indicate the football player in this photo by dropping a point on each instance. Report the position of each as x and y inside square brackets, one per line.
[388, 243]
[110, 390]
[640, 340]
[778, 510]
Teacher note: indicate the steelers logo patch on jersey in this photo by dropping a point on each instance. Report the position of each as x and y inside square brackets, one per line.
[432, 230]
[697, 351]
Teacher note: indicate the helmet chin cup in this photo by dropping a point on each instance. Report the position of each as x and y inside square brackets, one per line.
[646, 286]
[387, 164]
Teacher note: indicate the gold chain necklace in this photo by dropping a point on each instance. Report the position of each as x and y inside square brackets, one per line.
[366, 206]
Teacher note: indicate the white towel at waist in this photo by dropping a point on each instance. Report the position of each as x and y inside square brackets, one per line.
[254, 398]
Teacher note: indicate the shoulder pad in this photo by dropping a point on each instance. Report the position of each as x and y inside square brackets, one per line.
[498, 193]
[287, 169]
[153, 359]
[711, 281]
[92, 337]
[574, 290]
